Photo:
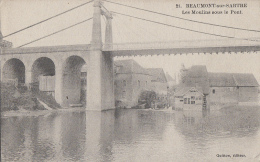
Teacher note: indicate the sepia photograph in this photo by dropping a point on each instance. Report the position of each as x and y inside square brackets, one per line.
[130, 80]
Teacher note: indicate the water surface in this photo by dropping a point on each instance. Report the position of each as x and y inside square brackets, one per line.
[132, 135]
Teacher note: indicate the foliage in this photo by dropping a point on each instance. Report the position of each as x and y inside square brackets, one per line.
[147, 98]
[17, 98]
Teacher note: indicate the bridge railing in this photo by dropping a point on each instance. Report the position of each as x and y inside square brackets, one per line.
[46, 49]
[179, 44]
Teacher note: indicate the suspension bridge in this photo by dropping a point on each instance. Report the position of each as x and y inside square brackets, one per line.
[65, 62]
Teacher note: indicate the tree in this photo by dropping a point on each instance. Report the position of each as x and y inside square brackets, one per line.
[147, 97]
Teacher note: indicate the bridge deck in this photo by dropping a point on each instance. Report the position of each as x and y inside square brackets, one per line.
[153, 48]
[183, 47]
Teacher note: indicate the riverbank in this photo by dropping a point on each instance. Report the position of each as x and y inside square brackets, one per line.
[21, 113]
[21, 99]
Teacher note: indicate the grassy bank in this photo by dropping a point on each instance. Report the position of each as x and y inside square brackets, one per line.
[21, 98]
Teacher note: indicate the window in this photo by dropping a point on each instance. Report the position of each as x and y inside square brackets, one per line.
[188, 100]
[192, 102]
[124, 94]
[213, 91]
[192, 97]
[185, 100]
[181, 100]
[139, 84]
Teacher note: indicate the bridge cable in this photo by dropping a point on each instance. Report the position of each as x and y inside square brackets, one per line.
[201, 22]
[47, 19]
[196, 31]
[55, 32]
[138, 35]
[134, 32]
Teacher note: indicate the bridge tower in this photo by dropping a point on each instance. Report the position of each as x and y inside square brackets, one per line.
[100, 80]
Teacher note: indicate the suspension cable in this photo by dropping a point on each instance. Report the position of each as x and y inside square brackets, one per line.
[196, 31]
[55, 32]
[47, 19]
[205, 23]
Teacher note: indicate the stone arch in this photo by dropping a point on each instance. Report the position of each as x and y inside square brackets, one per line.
[74, 81]
[13, 69]
[42, 66]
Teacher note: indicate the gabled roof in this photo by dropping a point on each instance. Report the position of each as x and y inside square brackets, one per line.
[245, 80]
[168, 77]
[232, 80]
[130, 66]
[157, 74]
[221, 80]
[181, 91]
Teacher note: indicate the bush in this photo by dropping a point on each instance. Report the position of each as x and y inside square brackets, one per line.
[147, 98]
[13, 98]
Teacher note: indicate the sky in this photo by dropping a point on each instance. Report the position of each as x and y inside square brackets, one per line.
[17, 14]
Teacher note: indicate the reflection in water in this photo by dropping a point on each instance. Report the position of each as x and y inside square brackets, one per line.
[132, 135]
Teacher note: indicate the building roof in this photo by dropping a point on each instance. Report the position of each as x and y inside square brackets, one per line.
[168, 77]
[184, 90]
[221, 80]
[157, 74]
[129, 66]
[232, 80]
[197, 76]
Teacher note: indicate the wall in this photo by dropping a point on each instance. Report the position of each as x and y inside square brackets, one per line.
[145, 83]
[159, 87]
[198, 102]
[71, 88]
[130, 93]
[248, 94]
[107, 83]
[123, 92]
[223, 95]
[178, 104]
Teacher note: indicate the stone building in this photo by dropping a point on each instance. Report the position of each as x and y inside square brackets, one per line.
[218, 88]
[130, 80]
[158, 81]
[233, 88]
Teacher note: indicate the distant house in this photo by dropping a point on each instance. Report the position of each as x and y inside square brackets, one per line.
[158, 81]
[219, 88]
[197, 76]
[233, 88]
[189, 98]
[130, 80]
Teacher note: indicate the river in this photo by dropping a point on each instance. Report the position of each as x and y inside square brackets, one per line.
[132, 135]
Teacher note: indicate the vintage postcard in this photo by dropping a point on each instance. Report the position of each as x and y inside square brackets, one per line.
[130, 80]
